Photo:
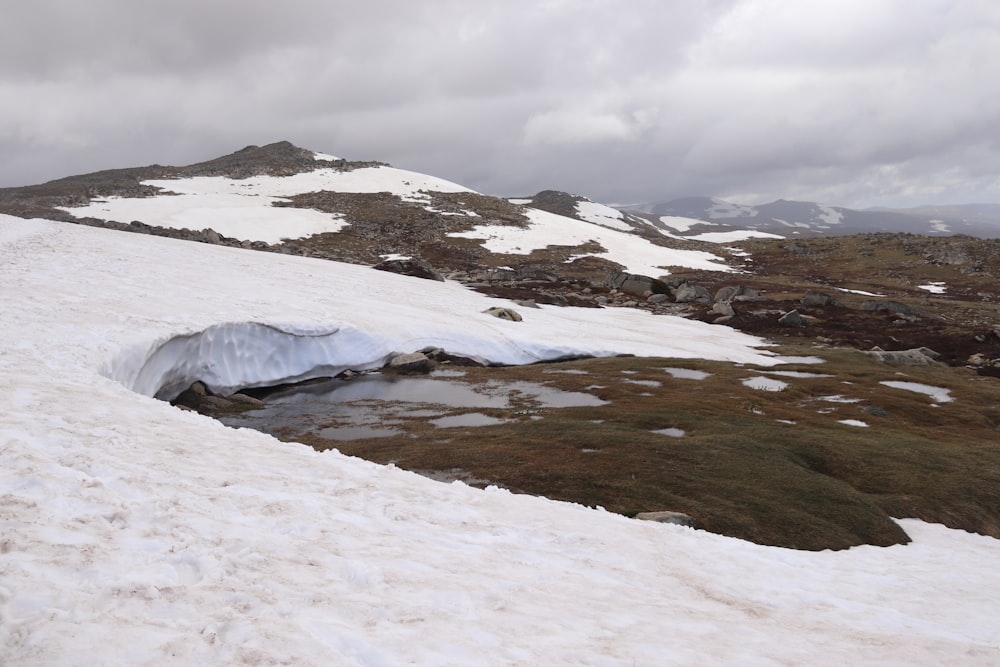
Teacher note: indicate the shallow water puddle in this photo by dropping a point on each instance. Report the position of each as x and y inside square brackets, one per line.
[376, 406]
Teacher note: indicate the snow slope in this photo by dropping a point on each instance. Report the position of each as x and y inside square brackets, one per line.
[243, 208]
[634, 252]
[132, 533]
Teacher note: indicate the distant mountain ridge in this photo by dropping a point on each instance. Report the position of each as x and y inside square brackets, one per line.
[806, 219]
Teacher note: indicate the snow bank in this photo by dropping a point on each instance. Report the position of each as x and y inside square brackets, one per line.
[134, 533]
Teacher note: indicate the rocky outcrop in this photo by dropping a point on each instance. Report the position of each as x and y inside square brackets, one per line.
[410, 266]
[895, 307]
[638, 285]
[918, 356]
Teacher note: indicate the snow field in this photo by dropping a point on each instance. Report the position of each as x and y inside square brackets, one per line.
[136, 533]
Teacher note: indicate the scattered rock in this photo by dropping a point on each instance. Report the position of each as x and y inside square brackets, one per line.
[527, 303]
[240, 398]
[504, 313]
[895, 307]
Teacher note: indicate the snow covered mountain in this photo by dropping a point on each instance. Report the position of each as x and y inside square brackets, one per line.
[805, 219]
[135, 532]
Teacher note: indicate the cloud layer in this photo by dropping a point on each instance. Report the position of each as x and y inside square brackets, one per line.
[851, 102]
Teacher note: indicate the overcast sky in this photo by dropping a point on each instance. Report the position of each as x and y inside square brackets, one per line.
[847, 102]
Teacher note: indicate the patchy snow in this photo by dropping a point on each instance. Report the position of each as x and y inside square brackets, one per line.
[829, 215]
[135, 533]
[733, 236]
[798, 374]
[325, 157]
[940, 226]
[599, 214]
[522, 202]
[939, 394]
[244, 217]
[244, 208]
[671, 432]
[635, 253]
[839, 398]
[799, 225]
[680, 224]
[762, 383]
[853, 422]
[394, 256]
[724, 209]
[934, 287]
[687, 373]
[857, 291]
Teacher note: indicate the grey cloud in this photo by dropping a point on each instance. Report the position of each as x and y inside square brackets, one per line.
[870, 101]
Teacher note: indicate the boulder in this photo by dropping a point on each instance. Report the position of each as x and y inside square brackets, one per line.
[688, 293]
[504, 313]
[657, 298]
[677, 518]
[410, 266]
[736, 293]
[792, 318]
[918, 356]
[638, 285]
[723, 308]
[413, 362]
[240, 398]
[812, 298]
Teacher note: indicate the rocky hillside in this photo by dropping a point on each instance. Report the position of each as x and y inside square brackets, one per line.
[774, 467]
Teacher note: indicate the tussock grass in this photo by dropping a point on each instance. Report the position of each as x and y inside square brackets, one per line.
[740, 471]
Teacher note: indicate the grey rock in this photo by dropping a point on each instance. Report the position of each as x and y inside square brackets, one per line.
[638, 285]
[688, 293]
[243, 399]
[415, 267]
[792, 318]
[723, 308]
[413, 362]
[919, 356]
[812, 298]
[657, 298]
[504, 313]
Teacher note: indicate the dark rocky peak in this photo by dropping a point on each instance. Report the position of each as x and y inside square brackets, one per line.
[555, 201]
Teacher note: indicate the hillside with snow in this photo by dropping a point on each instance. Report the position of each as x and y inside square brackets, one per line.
[135, 532]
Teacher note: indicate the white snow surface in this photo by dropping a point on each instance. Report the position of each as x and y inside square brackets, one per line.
[599, 214]
[635, 253]
[934, 287]
[244, 208]
[133, 533]
[939, 394]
